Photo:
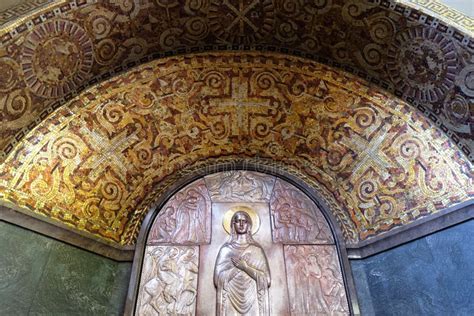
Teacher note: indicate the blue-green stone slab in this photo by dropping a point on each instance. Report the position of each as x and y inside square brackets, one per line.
[42, 276]
[433, 275]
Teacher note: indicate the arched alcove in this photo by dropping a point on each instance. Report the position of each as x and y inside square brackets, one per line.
[309, 272]
[106, 106]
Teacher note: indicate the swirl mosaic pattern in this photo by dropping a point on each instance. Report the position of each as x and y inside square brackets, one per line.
[98, 162]
[54, 52]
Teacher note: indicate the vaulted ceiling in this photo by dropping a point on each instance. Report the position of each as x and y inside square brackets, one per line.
[55, 51]
[380, 155]
[98, 162]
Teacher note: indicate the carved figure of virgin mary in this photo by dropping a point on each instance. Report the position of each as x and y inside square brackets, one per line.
[241, 273]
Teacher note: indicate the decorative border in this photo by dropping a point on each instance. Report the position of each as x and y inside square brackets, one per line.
[446, 13]
[22, 9]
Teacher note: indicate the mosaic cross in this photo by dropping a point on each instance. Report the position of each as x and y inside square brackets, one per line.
[109, 153]
[240, 103]
[370, 154]
[240, 15]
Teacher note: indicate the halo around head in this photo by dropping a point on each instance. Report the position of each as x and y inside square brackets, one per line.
[252, 214]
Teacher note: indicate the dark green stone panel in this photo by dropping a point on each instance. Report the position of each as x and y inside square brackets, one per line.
[81, 284]
[42, 276]
[23, 256]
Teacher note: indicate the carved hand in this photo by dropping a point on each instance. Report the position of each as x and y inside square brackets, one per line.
[240, 263]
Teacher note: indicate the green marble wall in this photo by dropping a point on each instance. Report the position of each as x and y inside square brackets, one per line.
[42, 276]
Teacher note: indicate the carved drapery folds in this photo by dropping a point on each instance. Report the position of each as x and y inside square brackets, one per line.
[241, 273]
[203, 241]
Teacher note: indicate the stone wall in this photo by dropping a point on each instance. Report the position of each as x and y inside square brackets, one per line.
[433, 275]
[42, 276]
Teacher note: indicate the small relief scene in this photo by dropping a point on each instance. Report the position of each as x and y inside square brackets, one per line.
[241, 243]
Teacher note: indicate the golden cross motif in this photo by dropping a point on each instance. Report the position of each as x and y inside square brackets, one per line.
[240, 15]
[369, 154]
[108, 152]
[241, 104]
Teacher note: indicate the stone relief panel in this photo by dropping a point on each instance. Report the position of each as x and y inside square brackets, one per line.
[315, 283]
[240, 186]
[295, 218]
[169, 279]
[185, 218]
[223, 288]
[233, 266]
[242, 273]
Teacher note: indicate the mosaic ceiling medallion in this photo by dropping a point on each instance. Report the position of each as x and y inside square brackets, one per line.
[241, 21]
[57, 57]
[423, 63]
[466, 80]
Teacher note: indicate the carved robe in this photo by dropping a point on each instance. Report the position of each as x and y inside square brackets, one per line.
[239, 293]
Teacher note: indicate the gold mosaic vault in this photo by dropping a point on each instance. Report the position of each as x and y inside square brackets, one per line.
[98, 162]
[52, 50]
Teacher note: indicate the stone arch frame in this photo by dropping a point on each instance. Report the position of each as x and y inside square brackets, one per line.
[257, 166]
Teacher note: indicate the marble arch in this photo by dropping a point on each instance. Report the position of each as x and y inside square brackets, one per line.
[98, 162]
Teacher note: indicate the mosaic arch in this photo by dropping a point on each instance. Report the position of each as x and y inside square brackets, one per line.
[288, 248]
[99, 163]
[52, 50]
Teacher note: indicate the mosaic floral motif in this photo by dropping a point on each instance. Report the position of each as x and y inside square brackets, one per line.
[60, 48]
[466, 80]
[8, 69]
[97, 163]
